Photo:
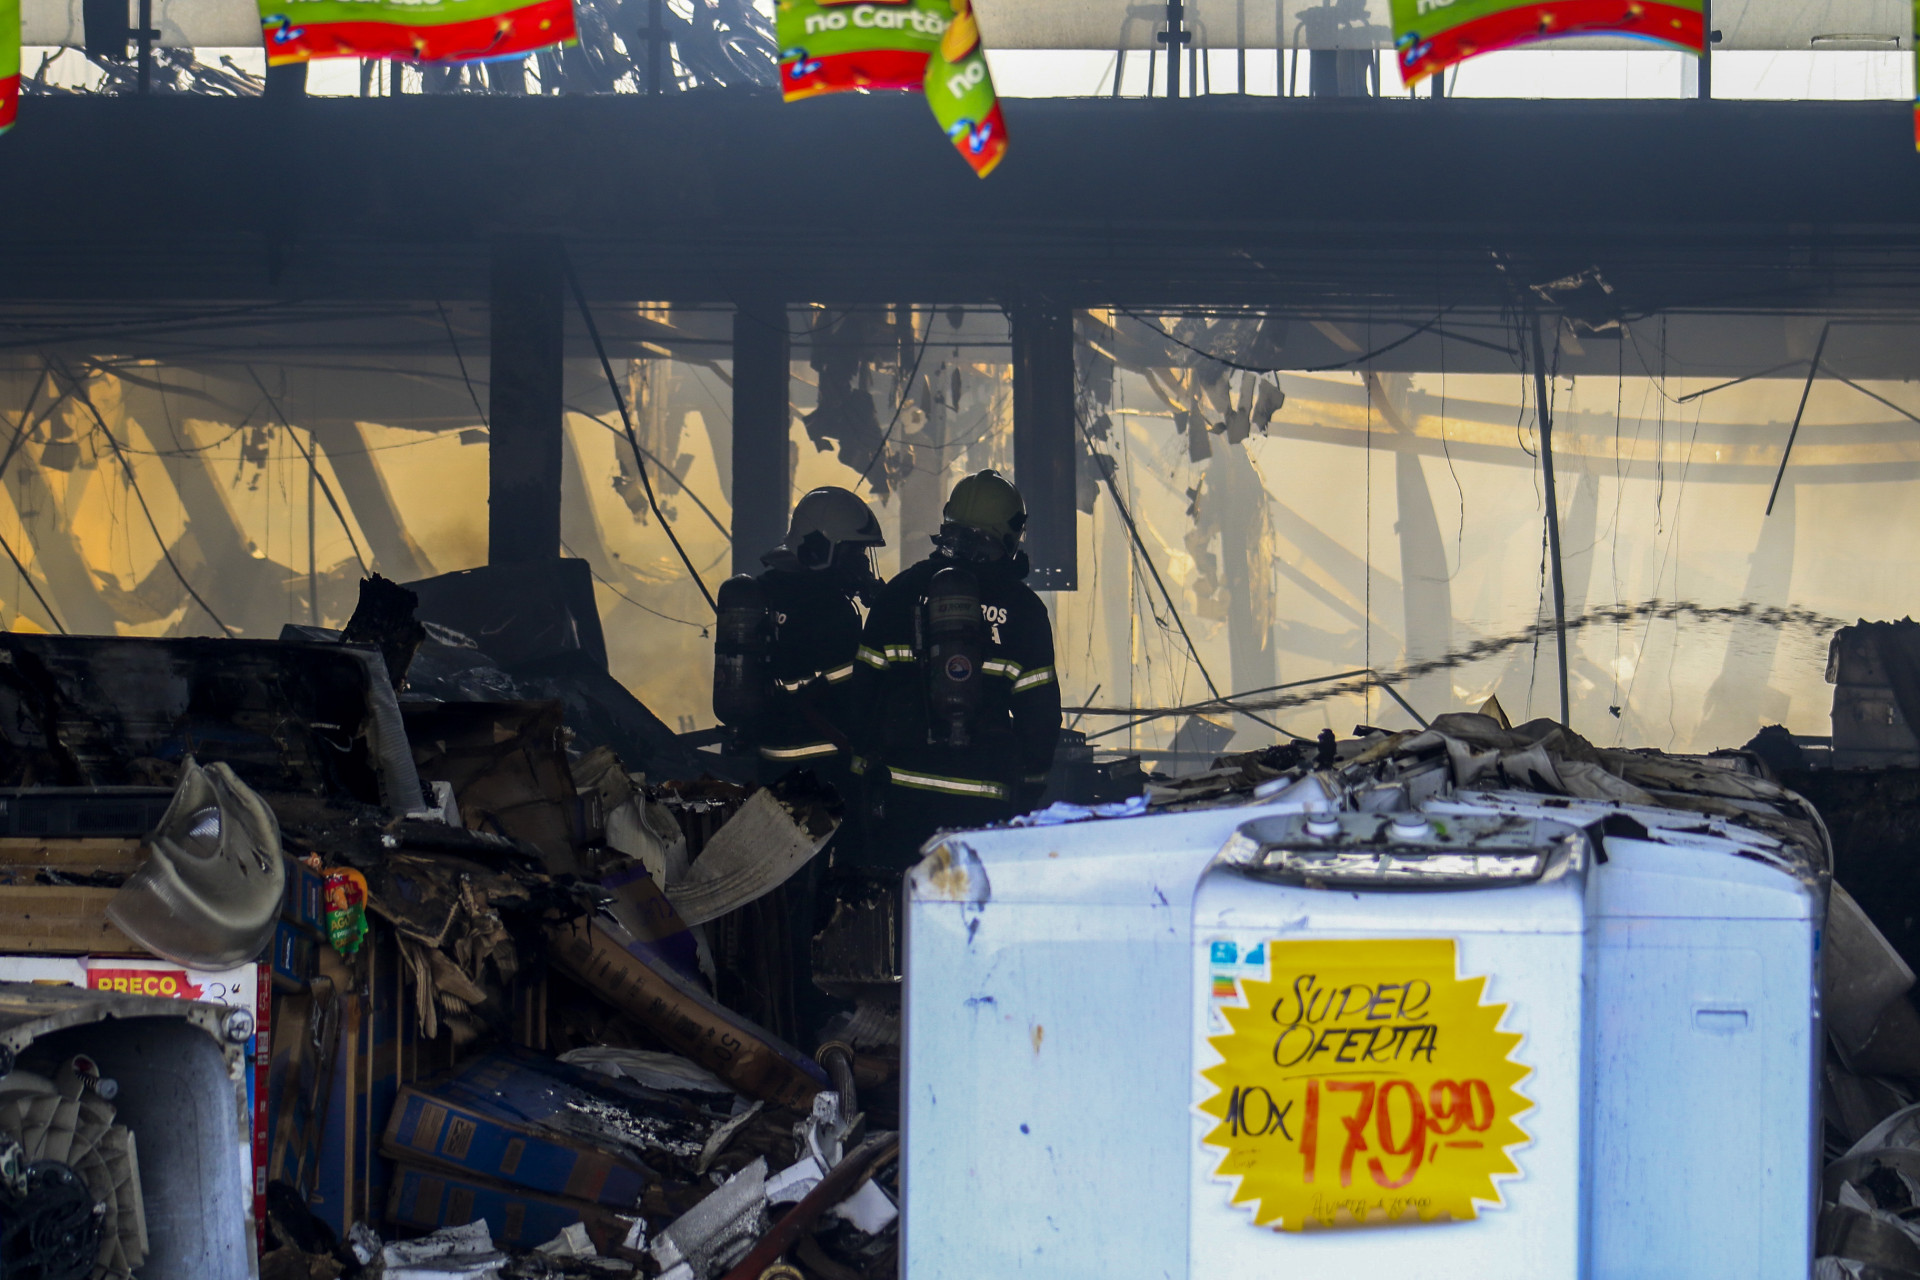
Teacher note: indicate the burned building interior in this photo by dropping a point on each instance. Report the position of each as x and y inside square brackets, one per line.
[1470, 536]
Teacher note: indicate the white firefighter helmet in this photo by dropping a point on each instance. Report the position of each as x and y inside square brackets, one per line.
[825, 519]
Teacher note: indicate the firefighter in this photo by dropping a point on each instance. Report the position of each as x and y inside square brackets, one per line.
[810, 584]
[959, 709]
[783, 678]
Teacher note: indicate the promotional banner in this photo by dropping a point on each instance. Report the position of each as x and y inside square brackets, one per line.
[10, 62]
[1432, 35]
[833, 46]
[960, 91]
[1365, 1083]
[410, 30]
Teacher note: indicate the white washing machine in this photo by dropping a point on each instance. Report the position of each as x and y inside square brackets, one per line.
[1045, 1097]
[1703, 1042]
[1388, 1065]
[1695, 1058]
[1054, 1038]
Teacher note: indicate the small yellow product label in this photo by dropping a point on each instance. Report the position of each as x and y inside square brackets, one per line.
[1364, 1082]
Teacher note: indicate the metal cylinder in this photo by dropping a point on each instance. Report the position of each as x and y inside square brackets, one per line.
[955, 641]
[741, 653]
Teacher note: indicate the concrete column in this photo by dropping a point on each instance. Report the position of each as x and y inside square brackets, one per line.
[762, 473]
[529, 324]
[1044, 449]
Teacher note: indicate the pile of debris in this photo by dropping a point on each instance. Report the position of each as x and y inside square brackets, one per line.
[532, 1012]
[1870, 1214]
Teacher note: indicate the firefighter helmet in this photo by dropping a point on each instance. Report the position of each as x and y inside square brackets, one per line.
[986, 503]
[824, 520]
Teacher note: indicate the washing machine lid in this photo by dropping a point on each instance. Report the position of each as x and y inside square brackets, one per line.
[1404, 851]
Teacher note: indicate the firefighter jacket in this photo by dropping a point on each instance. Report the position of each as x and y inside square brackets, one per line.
[1018, 722]
[815, 630]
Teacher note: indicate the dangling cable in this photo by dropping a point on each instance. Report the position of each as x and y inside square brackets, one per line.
[313, 469]
[1133, 531]
[120, 453]
[27, 578]
[639, 458]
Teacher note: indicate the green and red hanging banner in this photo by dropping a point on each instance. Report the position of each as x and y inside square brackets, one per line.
[411, 30]
[1432, 35]
[833, 46]
[9, 62]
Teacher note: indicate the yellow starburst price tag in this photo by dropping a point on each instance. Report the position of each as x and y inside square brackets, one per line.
[1365, 1082]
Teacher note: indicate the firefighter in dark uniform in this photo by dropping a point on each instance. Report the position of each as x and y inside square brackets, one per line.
[783, 679]
[811, 582]
[959, 707]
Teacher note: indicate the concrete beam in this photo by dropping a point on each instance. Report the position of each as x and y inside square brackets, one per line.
[1310, 202]
[1044, 441]
[526, 387]
[762, 472]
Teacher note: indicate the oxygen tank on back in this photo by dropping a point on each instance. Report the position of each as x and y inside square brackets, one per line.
[742, 654]
[956, 644]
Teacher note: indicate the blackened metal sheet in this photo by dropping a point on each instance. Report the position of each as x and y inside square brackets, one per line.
[103, 711]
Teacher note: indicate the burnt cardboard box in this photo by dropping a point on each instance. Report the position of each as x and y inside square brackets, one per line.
[507, 763]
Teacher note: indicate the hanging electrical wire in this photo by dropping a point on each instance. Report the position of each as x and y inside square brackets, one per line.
[313, 470]
[133, 483]
[1348, 363]
[461, 360]
[620, 400]
[665, 470]
[1133, 531]
[1359, 681]
[906, 394]
[610, 585]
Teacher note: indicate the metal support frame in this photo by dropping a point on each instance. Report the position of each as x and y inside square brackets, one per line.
[146, 35]
[1707, 37]
[364, 488]
[1813, 371]
[526, 387]
[1544, 412]
[1044, 448]
[655, 34]
[1173, 38]
[762, 469]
